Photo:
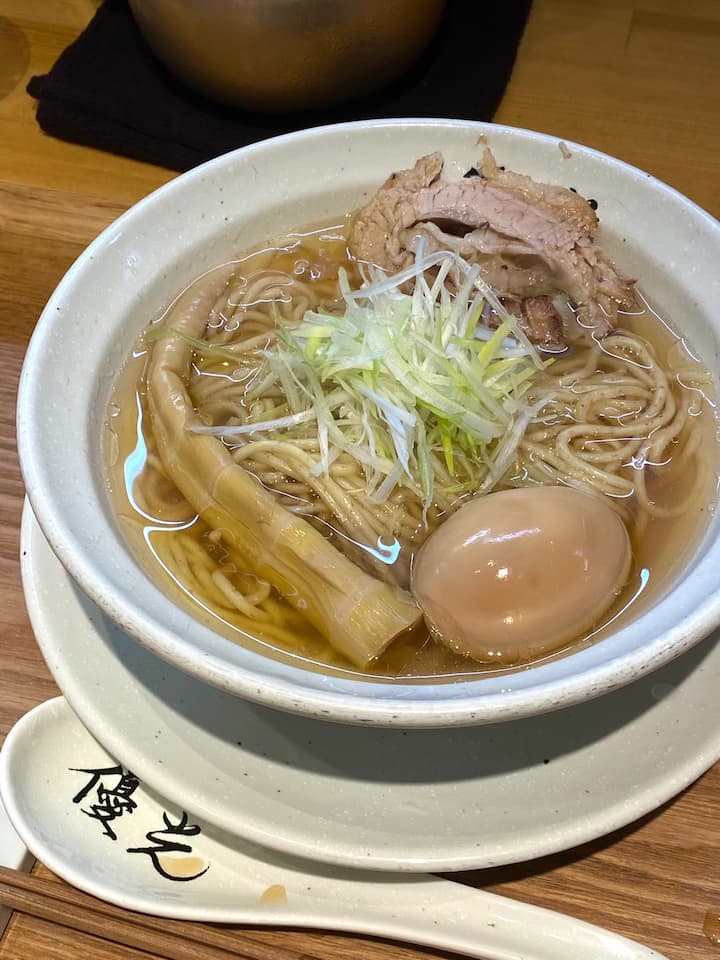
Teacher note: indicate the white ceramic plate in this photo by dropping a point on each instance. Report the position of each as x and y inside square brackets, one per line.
[416, 800]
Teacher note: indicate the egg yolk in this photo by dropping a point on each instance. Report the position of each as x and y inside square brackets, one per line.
[516, 575]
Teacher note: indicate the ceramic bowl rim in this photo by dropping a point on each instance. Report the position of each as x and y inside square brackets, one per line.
[352, 701]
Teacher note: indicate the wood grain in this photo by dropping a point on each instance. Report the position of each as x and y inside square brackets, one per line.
[67, 907]
[639, 79]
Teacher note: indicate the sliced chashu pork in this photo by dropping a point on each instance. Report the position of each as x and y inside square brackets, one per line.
[531, 240]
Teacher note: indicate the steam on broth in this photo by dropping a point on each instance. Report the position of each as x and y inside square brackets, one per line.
[280, 415]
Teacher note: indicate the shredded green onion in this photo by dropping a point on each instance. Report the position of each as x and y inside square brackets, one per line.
[398, 380]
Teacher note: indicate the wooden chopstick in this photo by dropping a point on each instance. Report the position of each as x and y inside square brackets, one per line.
[63, 904]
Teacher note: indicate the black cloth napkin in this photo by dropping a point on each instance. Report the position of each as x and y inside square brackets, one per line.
[108, 90]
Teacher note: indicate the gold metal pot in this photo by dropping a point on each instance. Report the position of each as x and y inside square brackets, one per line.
[287, 54]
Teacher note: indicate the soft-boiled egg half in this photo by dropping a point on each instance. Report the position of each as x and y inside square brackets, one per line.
[516, 575]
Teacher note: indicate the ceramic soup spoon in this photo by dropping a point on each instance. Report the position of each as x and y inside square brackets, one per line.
[93, 824]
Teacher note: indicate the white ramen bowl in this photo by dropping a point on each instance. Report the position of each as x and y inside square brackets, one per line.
[255, 194]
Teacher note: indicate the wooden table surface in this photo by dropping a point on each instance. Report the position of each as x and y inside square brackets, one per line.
[636, 78]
